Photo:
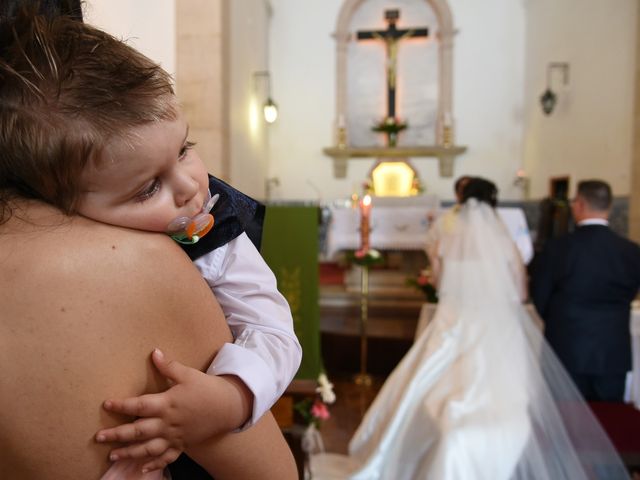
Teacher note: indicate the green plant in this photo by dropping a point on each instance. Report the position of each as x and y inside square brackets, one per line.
[365, 258]
[390, 125]
[314, 410]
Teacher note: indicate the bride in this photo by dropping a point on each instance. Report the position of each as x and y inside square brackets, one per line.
[480, 395]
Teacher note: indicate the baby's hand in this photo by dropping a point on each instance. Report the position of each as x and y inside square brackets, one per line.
[197, 407]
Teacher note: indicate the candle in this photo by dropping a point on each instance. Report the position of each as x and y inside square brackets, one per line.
[447, 119]
[365, 215]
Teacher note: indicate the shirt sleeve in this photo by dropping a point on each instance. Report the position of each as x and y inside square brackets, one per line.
[266, 353]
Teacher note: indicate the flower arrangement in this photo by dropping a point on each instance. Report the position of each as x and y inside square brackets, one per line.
[416, 187]
[424, 283]
[367, 187]
[315, 411]
[390, 125]
[365, 258]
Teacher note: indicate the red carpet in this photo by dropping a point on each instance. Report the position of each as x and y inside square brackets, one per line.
[331, 274]
[622, 423]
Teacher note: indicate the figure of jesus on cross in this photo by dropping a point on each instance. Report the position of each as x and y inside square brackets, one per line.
[392, 36]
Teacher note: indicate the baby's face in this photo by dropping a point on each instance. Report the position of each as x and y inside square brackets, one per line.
[147, 179]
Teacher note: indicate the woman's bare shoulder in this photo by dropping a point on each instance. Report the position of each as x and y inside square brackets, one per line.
[83, 306]
[80, 246]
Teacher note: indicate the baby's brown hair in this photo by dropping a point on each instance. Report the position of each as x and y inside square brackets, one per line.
[66, 90]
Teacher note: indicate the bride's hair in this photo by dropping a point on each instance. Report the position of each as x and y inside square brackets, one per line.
[482, 190]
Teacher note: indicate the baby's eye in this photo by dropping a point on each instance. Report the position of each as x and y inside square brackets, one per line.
[185, 149]
[149, 191]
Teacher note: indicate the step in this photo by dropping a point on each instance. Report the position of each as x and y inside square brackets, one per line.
[391, 314]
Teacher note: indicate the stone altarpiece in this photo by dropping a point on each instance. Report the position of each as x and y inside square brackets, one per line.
[422, 59]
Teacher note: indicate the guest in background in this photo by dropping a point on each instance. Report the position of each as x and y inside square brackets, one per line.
[582, 286]
[554, 220]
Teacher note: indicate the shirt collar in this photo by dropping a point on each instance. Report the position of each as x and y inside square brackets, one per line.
[593, 221]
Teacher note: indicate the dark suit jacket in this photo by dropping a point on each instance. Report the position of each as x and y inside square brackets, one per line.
[582, 286]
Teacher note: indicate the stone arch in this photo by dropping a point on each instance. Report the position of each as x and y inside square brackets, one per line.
[445, 38]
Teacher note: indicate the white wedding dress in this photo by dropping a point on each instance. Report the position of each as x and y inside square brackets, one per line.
[479, 395]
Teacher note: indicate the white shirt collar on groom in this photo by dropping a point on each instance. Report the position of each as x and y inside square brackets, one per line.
[593, 221]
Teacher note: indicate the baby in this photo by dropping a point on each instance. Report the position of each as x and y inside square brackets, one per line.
[118, 151]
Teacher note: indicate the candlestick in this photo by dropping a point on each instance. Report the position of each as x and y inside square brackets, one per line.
[447, 130]
[363, 378]
[341, 125]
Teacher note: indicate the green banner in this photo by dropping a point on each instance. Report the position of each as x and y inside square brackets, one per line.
[290, 248]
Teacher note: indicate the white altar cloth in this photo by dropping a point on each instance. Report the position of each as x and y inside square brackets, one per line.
[392, 228]
[516, 223]
[400, 227]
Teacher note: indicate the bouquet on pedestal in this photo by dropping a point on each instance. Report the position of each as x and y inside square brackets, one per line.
[314, 412]
[424, 282]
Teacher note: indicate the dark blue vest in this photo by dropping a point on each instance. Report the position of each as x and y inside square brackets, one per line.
[233, 213]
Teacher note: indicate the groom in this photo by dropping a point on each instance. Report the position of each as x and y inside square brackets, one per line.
[582, 286]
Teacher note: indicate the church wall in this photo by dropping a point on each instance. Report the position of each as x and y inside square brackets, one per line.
[487, 99]
[200, 79]
[589, 134]
[213, 49]
[186, 38]
[248, 131]
[148, 25]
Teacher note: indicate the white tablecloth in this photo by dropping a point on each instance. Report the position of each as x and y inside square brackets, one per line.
[392, 228]
[516, 223]
[632, 393]
[404, 227]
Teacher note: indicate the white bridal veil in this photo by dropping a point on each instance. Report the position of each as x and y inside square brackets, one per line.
[480, 395]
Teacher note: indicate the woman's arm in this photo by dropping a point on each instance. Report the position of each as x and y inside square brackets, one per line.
[258, 453]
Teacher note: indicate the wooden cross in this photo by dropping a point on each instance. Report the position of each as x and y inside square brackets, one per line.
[391, 36]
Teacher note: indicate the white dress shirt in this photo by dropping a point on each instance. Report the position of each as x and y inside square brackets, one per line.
[266, 353]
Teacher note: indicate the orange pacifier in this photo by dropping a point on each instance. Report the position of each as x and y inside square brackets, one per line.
[189, 230]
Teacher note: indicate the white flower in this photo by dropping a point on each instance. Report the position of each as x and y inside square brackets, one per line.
[325, 389]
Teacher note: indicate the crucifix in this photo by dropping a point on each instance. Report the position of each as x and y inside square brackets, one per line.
[392, 36]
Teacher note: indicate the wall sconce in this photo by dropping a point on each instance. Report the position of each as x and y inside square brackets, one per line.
[269, 109]
[548, 99]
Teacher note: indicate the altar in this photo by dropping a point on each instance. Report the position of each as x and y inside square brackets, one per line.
[401, 224]
[396, 224]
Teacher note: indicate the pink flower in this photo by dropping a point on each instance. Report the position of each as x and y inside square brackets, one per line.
[422, 280]
[320, 410]
[360, 253]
